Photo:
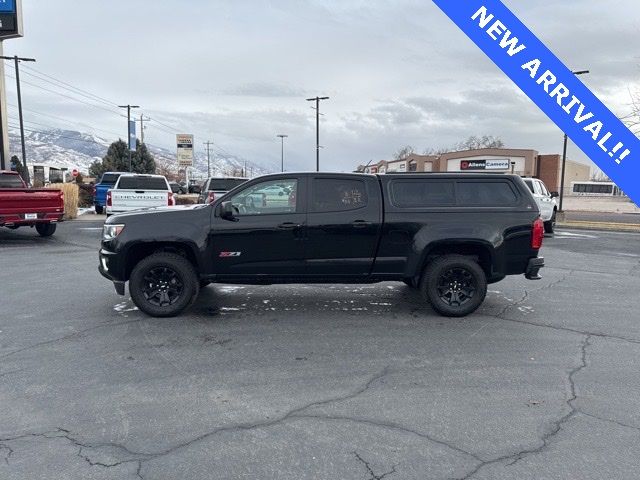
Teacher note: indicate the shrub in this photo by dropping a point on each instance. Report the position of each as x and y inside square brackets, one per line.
[71, 198]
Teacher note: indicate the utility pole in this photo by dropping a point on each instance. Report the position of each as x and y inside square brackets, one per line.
[282, 137]
[564, 154]
[142, 120]
[208, 144]
[17, 61]
[317, 107]
[129, 107]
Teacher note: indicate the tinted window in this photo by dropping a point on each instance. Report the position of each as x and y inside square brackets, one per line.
[224, 184]
[109, 178]
[529, 184]
[142, 183]
[271, 197]
[10, 181]
[485, 194]
[422, 193]
[338, 195]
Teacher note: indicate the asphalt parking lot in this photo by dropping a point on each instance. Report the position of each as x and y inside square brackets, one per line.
[320, 382]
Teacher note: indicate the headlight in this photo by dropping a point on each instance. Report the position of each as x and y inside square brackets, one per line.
[109, 232]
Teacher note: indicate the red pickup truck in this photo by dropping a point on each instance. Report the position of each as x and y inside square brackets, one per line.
[29, 207]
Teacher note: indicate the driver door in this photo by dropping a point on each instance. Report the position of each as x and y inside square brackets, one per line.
[267, 235]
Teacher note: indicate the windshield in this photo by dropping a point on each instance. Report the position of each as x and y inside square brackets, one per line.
[11, 181]
[225, 184]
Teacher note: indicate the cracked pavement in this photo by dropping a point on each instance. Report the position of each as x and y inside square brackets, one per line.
[307, 382]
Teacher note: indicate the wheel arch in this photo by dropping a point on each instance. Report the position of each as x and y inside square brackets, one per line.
[139, 251]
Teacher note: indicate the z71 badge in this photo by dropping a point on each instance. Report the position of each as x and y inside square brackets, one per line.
[230, 254]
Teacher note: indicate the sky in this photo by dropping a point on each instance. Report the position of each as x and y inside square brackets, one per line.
[398, 72]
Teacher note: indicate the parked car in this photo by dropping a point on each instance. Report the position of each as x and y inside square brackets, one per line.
[29, 207]
[106, 183]
[448, 235]
[137, 192]
[546, 201]
[213, 188]
[177, 188]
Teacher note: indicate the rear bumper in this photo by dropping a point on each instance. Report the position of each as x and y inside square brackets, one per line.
[19, 220]
[533, 267]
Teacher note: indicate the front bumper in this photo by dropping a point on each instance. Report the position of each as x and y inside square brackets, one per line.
[107, 268]
[533, 267]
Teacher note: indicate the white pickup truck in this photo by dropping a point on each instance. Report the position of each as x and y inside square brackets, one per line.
[137, 192]
[546, 202]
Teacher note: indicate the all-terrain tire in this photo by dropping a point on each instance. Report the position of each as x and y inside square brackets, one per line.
[455, 285]
[164, 284]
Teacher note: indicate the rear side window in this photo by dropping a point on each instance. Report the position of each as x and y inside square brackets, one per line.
[110, 178]
[486, 194]
[142, 183]
[421, 193]
[10, 181]
[529, 184]
[338, 195]
[224, 184]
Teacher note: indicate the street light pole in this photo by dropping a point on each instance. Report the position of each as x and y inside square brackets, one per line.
[129, 107]
[282, 137]
[17, 61]
[317, 100]
[564, 154]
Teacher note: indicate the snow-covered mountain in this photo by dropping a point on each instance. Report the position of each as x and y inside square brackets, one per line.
[72, 149]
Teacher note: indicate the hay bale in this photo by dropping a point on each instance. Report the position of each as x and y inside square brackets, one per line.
[71, 198]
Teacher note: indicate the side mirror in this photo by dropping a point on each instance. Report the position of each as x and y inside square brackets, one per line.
[555, 194]
[226, 211]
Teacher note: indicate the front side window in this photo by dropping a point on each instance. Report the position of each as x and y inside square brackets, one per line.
[338, 195]
[264, 198]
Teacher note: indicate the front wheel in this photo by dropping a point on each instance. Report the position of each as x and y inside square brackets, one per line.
[164, 284]
[455, 285]
[46, 229]
[550, 226]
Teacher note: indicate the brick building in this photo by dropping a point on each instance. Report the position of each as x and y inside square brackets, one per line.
[527, 163]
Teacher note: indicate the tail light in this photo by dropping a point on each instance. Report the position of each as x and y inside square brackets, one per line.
[537, 234]
[211, 197]
[109, 202]
[171, 201]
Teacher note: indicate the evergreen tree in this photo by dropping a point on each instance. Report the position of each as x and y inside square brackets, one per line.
[117, 160]
[16, 165]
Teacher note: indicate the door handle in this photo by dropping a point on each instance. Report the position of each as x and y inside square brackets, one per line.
[361, 224]
[289, 226]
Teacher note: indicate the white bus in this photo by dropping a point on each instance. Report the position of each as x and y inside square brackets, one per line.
[595, 189]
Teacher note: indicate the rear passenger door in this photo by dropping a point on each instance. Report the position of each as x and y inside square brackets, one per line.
[343, 225]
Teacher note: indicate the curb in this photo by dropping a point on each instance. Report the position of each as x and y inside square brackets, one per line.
[606, 226]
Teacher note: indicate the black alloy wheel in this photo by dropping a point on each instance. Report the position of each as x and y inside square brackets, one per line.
[162, 286]
[456, 287]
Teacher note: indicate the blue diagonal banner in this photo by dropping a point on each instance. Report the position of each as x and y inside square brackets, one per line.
[552, 86]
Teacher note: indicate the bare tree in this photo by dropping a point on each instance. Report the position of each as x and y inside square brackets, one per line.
[404, 153]
[474, 143]
[632, 119]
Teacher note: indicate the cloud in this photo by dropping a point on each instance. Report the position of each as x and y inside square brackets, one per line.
[263, 89]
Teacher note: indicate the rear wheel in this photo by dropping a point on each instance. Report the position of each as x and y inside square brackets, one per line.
[99, 209]
[550, 226]
[164, 284]
[455, 285]
[46, 229]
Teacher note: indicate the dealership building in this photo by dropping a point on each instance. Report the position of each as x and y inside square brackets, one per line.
[527, 163]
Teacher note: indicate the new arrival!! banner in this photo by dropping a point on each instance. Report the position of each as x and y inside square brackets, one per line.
[552, 86]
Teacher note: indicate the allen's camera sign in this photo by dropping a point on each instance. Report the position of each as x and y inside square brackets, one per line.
[10, 19]
[498, 164]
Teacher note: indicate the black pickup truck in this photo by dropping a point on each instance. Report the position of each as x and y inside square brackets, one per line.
[448, 235]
